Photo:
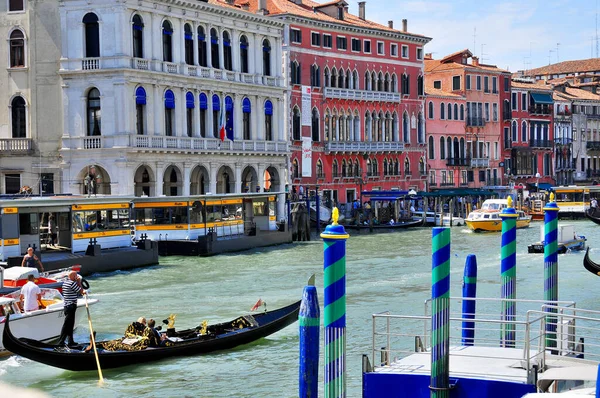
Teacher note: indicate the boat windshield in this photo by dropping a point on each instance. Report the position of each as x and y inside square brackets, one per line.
[493, 206]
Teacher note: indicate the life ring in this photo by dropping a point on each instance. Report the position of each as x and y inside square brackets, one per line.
[85, 284]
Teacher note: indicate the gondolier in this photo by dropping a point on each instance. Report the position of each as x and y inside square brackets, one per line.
[71, 289]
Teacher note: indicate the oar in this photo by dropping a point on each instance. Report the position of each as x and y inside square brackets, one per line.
[87, 308]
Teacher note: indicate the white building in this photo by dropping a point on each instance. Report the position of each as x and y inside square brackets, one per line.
[30, 96]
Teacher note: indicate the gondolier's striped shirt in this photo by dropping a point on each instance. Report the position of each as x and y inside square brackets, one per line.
[70, 292]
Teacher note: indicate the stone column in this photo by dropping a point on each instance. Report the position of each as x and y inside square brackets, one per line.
[221, 50]
[156, 44]
[179, 112]
[213, 168]
[237, 116]
[187, 171]
[257, 118]
[208, 47]
[158, 111]
[276, 120]
[209, 118]
[261, 176]
[160, 176]
[251, 53]
[196, 113]
[195, 41]
[238, 178]
[235, 51]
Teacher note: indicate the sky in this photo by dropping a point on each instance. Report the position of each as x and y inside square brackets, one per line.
[512, 35]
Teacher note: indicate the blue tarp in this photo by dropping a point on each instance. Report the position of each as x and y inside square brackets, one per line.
[542, 98]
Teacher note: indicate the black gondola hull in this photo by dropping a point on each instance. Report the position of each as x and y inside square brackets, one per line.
[593, 214]
[77, 360]
[590, 265]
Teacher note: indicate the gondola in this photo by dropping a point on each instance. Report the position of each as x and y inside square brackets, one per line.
[381, 227]
[590, 265]
[593, 213]
[217, 337]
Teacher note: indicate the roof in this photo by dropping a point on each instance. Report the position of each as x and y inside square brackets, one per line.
[580, 94]
[535, 85]
[311, 10]
[452, 61]
[567, 67]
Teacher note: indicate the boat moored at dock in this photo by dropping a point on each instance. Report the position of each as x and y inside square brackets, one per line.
[568, 240]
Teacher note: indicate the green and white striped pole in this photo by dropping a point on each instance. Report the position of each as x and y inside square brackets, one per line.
[551, 267]
[508, 273]
[334, 319]
[440, 313]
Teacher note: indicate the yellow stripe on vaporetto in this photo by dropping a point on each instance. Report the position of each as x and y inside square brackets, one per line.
[272, 198]
[159, 204]
[101, 234]
[10, 210]
[272, 218]
[105, 206]
[165, 227]
[213, 202]
[197, 226]
[11, 242]
[232, 201]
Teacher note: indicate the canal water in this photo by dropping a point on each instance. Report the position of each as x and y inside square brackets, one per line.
[387, 271]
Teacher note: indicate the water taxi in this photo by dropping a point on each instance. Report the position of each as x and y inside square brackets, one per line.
[488, 217]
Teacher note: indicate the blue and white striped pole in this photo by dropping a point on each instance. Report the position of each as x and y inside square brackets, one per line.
[309, 320]
[468, 304]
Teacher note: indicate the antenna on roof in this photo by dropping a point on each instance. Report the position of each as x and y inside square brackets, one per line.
[557, 58]
[550, 56]
[481, 56]
[475, 36]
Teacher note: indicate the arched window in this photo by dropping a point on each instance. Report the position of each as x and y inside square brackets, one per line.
[442, 148]
[340, 83]
[420, 129]
[266, 57]
[394, 84]
[295, 169]
[449, 111]
[140, 110]
[367, 80]
[385, 167]
[420, 85]
[406, 127]
[229, 118]
[347, 79]
[373, 81]
[327, 77]
[422, 166]
[169, 113]
[430, 110]
[355, 80]
[296, 75]
[514, 131]
[315, 125]
[188, 37]
[18, 117]
[380, 82]
[269, 121]
[137, 31]
[524, 131]
[189, 113]
[203, 105]
[386, 83]
[92, 35]
[344, 168]
[296, 134]
[396, 167]
[202, 57]
[214, 48]
[17, 49]
[375, 167]
[431, 148]
[334, 169]
[449, 153]
[442, 111]
[406, 166]
[315, 76]
[94, 122]
[167, 41]
[356, 168]
[244, 54]
[462, 112]
[455, 111]
[246, 110]
[320, 173]
[227, 60]
[405, 84]
[216, 106]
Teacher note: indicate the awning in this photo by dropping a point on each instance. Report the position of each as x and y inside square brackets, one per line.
[458, 192]
[544, 186]
[542, 98]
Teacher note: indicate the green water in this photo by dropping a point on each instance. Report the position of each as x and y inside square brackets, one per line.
[389, 271]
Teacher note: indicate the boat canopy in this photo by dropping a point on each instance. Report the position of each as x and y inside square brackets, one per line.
[574, 373]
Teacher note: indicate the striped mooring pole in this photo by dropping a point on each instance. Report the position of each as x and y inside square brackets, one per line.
[334, 263]
[551, 267]
[468, 305]
[309, 319]
[508, 273]
[440, 313]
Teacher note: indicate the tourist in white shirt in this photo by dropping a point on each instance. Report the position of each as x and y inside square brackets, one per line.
[31, 295]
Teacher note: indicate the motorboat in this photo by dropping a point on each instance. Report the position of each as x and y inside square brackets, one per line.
[132, 350]
[15, 277]
[43, 324]
[568, 240]
[488, 217]
[433, 219]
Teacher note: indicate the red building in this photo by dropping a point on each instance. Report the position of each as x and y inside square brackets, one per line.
[528, 149]
[356, 104]
[473, 139]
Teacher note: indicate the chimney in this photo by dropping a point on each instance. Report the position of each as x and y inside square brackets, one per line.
[245, 6]
[428, 55]
[262, 7]
[405, 25]
[361, 10]
[391, 24]
[475, 60]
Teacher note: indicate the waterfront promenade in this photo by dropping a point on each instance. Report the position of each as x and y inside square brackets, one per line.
[389, 271]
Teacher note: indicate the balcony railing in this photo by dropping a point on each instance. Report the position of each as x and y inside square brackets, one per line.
[593, 145]
[475, 122]
[141, 64]
[480, 162]
[540, 110]
[565, 165]
[90, 63]
[458, 162]
[15, 145]
[361, 146]
[563, 141]
[360, 95]
[170, 67]
[535, 143]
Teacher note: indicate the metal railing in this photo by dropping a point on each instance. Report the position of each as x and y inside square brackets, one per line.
[475, 122]
[593, 145]
[480, 162]
[363, 146]
[536, 143]
[360, 95]
[159, 143]
[458, 162]
[539, 328]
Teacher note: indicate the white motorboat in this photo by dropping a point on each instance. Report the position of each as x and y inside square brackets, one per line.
[44, 324]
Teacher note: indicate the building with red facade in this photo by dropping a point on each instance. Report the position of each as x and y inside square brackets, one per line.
[356, 101]
[528, 148]
[473, 140]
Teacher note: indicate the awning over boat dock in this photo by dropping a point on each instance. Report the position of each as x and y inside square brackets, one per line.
[445, 193]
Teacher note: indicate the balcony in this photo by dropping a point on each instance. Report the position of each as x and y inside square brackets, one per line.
[475, 122]
[480, 162]
[361, 146]
[158, 143]
[104, 64]
[562, 165]
[563, 141]
[360, 95]
[540, 110]
[592, 146]
[535, 143]
[16, 146]
[458, 162]
[562, 115]
[507, 115]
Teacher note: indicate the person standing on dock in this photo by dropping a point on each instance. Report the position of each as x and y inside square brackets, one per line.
[70, 290]
[30, 260]
[52, 231]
